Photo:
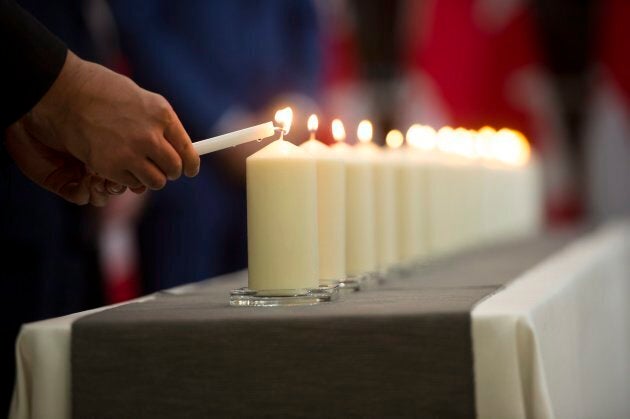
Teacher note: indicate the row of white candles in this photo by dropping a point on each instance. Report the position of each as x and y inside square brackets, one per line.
[319, 214]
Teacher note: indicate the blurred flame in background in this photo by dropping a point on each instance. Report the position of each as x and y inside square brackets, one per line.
[422, 137]
[365, 131]
[338, 130]
[394, 139]
[312, 123]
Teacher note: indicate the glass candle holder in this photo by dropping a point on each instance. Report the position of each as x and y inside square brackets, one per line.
[246, 297]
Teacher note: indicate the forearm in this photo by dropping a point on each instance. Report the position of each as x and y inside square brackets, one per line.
[32, 59]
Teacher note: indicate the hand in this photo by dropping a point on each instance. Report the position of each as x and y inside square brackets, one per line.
[111, 125]
[57, 171]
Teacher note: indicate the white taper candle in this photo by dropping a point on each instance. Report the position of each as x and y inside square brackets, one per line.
[235, 138]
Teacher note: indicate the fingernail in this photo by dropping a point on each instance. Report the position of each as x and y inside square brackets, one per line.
[117, 189]
[193, 174]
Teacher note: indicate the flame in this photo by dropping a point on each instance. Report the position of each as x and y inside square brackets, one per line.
[510, 147]
[524, 149]
[483, 142]
[487, 130]
[284, 117]
[394, 139]
[445, 139]
[422, 136]
[365, 131]
[464, 143]
[312, 123]
[338, 130]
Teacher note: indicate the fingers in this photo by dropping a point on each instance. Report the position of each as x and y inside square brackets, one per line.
[138, 191]
[114, 188]
[98, 192]
[149, 175]
[75, 192]
[125, 178]
[101, 189]
[167, 159]
[177, 136]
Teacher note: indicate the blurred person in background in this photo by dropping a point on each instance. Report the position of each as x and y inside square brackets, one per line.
[223, 66]
[606, 114]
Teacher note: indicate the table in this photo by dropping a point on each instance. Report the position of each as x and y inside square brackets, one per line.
[555, 342]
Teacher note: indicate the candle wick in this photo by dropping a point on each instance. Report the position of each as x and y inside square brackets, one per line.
[282, 131]
[312, 135]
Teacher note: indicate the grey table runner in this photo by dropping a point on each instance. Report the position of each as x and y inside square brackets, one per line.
[401, 350]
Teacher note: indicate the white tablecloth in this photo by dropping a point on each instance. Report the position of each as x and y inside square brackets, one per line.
[554, 343]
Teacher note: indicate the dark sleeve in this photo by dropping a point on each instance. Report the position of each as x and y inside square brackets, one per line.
[32, 58]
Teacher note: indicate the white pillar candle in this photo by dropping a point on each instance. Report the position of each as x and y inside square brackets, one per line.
[282, 217]
[524, 203]
[360, 232]
[412, 199]
[421, 144]
[407, 204]
[491, 196]
[533, 208]
[384, 196]
[502, 151]
[448, 197]
[473, 178]
[331, 207]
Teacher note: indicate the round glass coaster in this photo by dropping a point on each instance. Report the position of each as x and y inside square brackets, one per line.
[351, 284]
[371, 280]
[245, 297]
[329, 282]
[404, 270]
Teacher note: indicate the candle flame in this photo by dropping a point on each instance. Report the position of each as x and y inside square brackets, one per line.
[524, 149]
[338, 130]
[487, 130]
[422, 136]
[445, 137]
[313, 123]
[510, 147]
[394, 139]
[284, 117]
[365, 131]
[483, 142]
[464, 143]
